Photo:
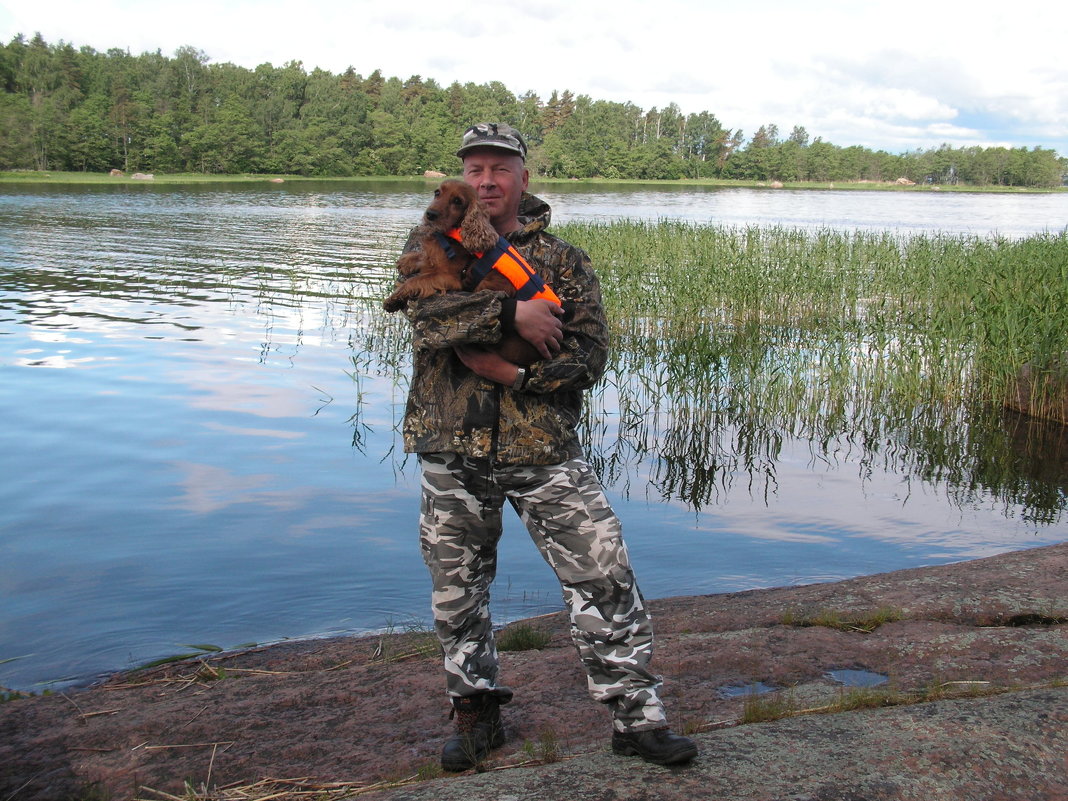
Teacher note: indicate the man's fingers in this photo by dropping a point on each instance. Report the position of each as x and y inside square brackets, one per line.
[538, 322]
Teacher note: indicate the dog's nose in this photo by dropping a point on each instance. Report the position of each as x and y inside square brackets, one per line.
[431, 215]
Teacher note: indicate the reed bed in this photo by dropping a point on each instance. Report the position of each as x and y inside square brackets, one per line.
[870, 345]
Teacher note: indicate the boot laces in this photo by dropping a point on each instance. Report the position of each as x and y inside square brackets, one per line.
[466, 721]
[471, 714]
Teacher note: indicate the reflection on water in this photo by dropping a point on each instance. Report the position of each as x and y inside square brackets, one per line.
[858, 678]
[701, 425]
[200, 395]
[745, 690]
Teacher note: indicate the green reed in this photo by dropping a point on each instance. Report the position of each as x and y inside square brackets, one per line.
[729, 339]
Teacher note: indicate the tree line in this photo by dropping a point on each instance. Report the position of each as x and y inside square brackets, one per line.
[77, 109]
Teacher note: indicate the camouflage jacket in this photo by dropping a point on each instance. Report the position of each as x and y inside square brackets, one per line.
[451, 409]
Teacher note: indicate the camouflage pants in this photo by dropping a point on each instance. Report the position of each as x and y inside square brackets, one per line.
[578, 534]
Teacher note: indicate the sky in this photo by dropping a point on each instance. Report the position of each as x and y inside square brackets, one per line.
[895, 76]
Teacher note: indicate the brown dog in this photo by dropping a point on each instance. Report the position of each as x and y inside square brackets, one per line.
[440, 265]
[430, 269]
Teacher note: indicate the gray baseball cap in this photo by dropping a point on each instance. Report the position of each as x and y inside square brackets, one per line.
[493, 134]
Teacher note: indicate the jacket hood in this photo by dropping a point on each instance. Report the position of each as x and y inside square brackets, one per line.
[534, 215]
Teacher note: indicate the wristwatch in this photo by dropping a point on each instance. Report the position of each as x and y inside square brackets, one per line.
[520, 378]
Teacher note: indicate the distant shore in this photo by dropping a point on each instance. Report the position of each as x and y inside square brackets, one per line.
[37, 177]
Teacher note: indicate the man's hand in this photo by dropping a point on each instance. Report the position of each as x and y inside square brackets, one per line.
[487, 364]
[538, 322]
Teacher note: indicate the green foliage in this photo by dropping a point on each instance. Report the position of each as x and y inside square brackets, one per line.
[522, 637]
[829, 618]
[7, 695]
[199, 650]
[429, 770]
[731, 341]
[763, 708]
[411, 640]
[92, 791]
[80, 110]
[547, 750]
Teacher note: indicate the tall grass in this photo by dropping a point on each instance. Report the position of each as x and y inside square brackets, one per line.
[729, 339]
[934, 315]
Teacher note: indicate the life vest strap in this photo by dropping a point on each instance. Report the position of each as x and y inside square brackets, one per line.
[446, 244]
[505, 259]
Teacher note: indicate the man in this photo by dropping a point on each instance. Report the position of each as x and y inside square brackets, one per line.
[487, 430]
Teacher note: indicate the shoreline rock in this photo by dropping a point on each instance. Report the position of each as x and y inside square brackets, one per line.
[976, 655]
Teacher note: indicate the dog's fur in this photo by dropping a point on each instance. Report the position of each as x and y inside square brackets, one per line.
[429, 270]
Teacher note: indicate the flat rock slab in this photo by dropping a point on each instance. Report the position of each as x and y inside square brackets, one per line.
[1012, 746]
[352, 712]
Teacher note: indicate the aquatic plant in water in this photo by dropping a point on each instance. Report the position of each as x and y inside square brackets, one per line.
[893, 349]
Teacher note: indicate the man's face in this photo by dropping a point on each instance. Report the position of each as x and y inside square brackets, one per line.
[500, 180]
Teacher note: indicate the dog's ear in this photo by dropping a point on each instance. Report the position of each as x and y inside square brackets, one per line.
[476, 232]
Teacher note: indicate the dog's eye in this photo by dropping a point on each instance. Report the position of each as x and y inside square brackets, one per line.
[457, 201]
[437, 193]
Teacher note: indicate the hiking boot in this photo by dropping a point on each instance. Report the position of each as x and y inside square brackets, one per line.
[659, 746]
[478, 730]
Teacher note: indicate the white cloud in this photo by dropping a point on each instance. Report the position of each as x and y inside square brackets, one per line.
[874, 73]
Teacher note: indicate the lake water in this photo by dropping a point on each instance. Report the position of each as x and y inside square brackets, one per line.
[199, 402]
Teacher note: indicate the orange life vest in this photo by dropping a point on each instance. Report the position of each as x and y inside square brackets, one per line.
[505, 259]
